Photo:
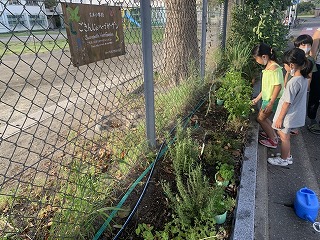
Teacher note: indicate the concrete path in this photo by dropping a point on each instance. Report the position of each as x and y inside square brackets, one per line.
[267, 193]
[275, 218]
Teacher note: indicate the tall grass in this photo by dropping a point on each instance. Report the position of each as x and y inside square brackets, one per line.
[83, 197]
[175, 101]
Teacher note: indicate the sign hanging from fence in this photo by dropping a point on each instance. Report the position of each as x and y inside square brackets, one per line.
[95, 32]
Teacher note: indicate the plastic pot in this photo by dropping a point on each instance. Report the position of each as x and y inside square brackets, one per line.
[220, 102]
[220, 219]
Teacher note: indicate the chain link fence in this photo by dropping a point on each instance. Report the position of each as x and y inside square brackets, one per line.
[72, 139]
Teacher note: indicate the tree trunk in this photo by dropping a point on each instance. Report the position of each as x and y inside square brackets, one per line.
[181, 52]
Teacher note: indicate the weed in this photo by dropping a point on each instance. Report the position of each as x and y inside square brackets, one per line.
[83, 196]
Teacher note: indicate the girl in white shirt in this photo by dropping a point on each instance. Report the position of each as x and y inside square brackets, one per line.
[291, 110]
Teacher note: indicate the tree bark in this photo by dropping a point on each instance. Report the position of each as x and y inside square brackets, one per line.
[181, 52]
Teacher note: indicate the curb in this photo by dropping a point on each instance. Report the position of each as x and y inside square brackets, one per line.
[245, 209]
[244, 218]
[262, 196]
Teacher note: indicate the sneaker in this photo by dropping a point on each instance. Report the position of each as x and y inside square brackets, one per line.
[315, 129]
[312, 125]
[289, 159]
[278, 161]
[264, 135]
[269, 143]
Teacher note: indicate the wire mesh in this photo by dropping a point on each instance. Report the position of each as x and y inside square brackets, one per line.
[72, 139]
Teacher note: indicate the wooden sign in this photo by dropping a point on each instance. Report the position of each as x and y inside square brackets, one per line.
[95, 32]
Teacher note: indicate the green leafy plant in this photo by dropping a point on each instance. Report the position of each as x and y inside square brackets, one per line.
[215, 152]
[225, 171]
[271, 23]
[263, 23]
[146, 231]
[236, 93]
[174, 230]
[192, 205]
[220, 93]
[236, 57]
[185, 151]
[306, 8]
[221, 202]
[225, 205]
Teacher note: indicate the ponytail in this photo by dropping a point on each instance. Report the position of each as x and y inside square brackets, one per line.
[273, 55]
[298, 56]
[306, 68]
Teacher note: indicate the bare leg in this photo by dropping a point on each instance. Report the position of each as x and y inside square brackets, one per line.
[270, 123]
[266, 123]
[285, 144]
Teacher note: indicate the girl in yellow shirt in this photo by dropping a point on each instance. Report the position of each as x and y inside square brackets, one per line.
[271, 91]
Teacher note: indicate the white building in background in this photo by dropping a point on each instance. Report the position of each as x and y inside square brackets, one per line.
[21, 15]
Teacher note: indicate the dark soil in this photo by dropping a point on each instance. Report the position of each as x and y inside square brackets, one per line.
[154, 207]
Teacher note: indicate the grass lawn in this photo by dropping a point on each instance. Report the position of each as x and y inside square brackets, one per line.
[133, 35]
[31, 47]
[305, 16]
[27, 33]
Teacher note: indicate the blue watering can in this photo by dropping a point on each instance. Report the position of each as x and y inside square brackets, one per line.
[306, 206]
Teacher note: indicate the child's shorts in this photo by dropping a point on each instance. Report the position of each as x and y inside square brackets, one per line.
[274, 107]
[284, 130]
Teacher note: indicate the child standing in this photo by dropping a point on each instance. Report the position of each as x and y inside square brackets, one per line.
[291, 110]
[314, 94]
[271, 90]
[304, 42]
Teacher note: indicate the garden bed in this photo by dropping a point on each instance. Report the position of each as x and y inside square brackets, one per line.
[216, 139]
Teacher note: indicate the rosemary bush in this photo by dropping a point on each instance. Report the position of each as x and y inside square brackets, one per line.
[193, 200]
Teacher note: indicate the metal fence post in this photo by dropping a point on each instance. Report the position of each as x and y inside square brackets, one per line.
[203, 37]
[148, 70]
[224, 25]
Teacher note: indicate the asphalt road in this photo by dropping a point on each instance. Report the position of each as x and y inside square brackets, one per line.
[311, 141]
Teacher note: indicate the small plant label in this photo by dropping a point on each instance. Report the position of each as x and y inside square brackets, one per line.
[95, 32]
